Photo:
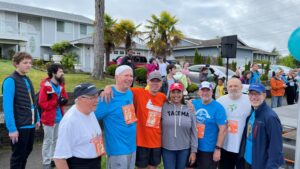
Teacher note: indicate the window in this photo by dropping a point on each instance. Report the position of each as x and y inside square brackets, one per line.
[138, 53]
[122, 52]
[116, 52]
[83, 29]
[60, 26]
[66, 27]
[90, 30]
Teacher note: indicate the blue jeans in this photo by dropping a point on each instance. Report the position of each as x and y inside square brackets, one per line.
[276, 101]
[175, 159]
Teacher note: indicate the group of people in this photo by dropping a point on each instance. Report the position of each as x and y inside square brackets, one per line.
[139, 127]
[281, 84]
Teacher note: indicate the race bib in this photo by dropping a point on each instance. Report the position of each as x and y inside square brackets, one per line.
[233, 126]
[129, 114]
[201, 130]
[153, 119]
[99, 146]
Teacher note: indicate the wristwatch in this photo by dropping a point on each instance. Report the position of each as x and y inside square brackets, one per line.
[218, 147]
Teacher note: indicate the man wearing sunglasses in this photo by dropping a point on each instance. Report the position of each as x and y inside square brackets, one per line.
[261, 145]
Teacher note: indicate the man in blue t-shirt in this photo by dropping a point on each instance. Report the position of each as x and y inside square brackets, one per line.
[211, 126]
[119, 121]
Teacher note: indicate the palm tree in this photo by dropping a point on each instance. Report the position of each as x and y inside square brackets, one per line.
[125, 32]
[162, 34]
[109, 36]
[99, 40]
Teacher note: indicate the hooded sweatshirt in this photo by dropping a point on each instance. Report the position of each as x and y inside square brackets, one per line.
[178, 128]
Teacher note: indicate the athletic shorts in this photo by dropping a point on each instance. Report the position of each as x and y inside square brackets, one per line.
[147, 156]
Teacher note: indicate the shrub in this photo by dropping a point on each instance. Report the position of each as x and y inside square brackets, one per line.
[192, 88]
[111, 69]
[61, 47]
[264, 77]
[141, 74]
[68, 61]
[37, 62]
[11, 53]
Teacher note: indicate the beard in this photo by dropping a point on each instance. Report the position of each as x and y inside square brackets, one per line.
[60, 80]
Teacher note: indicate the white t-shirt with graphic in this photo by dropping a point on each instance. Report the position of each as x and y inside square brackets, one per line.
[76, 134]
[236, 111]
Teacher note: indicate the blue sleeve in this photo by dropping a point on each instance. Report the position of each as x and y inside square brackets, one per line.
[221, 115]
[8, 104]
[38, 116]
[101, 109]
[275, 150]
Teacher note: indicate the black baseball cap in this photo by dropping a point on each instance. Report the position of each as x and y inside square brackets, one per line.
[85, 89]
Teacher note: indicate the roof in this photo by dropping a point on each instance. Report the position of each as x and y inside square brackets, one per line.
[11, 7]
[212, 43]
[89, 41]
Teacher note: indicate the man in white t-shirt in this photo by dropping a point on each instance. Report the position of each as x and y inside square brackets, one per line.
[238, 108]
[79, 144]
[162, 67]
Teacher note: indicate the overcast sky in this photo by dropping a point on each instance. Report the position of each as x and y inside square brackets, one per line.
[261, 24]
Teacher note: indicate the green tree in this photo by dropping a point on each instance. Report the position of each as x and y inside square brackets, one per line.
[208, 60]
[109, 36]
[248, 66]
[289, 61]
[125, 31]
[61, 48]
[220, 61]
[99, 41]
[162, 34]
[233, 65]
[197, 57]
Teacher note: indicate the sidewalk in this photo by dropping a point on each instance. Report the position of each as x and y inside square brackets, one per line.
[34, 161]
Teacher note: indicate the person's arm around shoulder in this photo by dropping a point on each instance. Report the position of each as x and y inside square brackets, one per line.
[275, 151]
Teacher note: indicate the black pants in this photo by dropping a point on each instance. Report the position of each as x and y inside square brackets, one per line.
[80, 163]
[22, 149]
[205, 160]
[229, 160]
[290, 94]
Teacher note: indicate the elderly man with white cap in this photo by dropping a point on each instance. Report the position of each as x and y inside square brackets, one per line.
[148, 105]
[79, 144]
[211, 126]
[119, 122]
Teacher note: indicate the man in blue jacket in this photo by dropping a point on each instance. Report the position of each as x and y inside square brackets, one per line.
[261, 146]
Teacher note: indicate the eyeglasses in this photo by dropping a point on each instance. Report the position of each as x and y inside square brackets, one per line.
[91, 98]
[254, 94]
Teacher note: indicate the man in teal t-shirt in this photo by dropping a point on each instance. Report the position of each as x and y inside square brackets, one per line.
[119, 121]
[211, 125]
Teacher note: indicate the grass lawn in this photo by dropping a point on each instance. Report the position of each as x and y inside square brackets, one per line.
[6, 68]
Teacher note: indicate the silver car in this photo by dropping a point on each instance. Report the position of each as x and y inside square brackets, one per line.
[219, 70]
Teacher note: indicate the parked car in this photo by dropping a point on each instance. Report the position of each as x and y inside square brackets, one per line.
[219, 70]
[273, 68]
[138, 61]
